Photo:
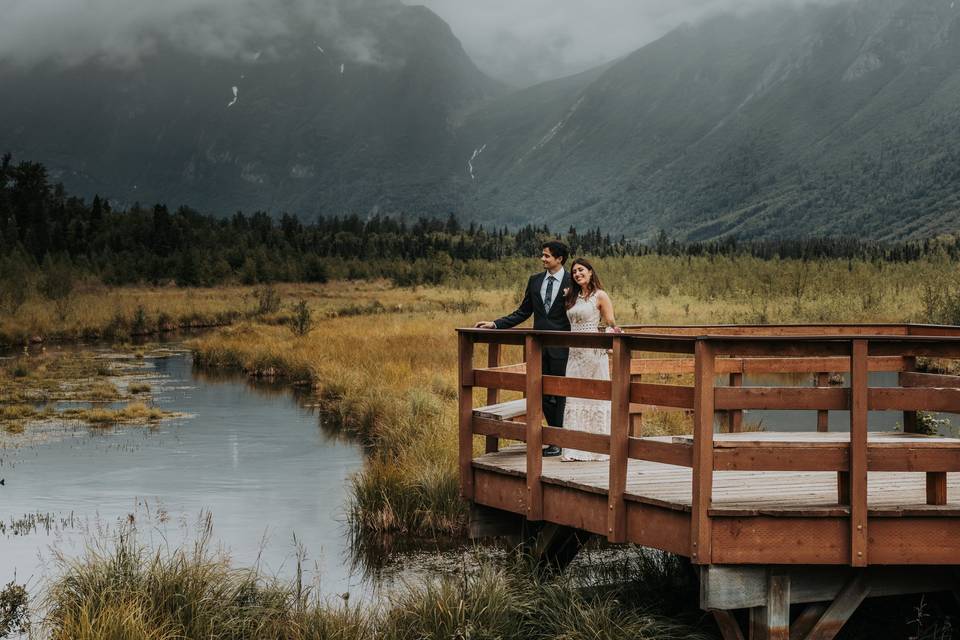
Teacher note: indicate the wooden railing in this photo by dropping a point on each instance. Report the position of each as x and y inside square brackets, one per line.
[820, 350]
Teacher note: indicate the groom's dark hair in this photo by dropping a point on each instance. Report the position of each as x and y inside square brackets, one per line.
[557, 250]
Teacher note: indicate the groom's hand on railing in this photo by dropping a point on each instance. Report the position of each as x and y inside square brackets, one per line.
[484, 324]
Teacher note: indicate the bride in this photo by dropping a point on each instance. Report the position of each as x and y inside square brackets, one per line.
[586, 304]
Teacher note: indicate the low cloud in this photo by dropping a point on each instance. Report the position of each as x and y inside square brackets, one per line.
[121, 32]
[528, 41]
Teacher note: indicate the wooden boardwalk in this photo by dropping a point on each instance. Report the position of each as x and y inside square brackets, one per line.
[792, 505]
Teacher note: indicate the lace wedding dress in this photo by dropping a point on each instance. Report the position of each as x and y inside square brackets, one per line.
[583, 414]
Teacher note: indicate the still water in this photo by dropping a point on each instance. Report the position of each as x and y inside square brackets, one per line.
[250, 457]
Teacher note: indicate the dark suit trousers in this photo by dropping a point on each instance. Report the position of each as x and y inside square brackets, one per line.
[553, 405]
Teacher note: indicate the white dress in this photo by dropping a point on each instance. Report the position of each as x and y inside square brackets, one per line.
[583, 414]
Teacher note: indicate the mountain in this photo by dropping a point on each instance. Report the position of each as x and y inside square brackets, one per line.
[841, 119]
[837, 119]
[322, 122]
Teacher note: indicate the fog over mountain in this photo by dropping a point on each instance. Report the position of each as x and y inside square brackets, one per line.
[533, 41]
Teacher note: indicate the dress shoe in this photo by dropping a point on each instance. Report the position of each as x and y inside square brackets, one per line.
[550, 451]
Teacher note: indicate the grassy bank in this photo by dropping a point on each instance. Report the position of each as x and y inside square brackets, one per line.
[125, 591]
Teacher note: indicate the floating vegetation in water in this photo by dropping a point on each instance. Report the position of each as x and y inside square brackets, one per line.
[32, 387]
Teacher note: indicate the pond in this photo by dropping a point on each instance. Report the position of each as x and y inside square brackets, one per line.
[250, 457]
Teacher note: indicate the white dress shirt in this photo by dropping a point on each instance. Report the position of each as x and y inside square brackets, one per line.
[558, 279]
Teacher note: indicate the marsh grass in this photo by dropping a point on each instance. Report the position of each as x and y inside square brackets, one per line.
[122, 590]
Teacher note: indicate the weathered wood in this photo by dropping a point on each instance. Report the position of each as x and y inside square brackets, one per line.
[728, 625]
[662, 395]
[576, 387]
[780, 347]
[702, 453]
[745, 586]
[777, 609]
[465, 401]
[509, 380]
[929, 399]
[506, 429]
[577, 340]
[492, 443]
[929, 347]
[911, 457]
[680, 454]
[502, 411]
[534, 393]
[735, 416]
[619, 440]
[840, 610]
[774, 458]
[805, 621]
[781, 398]
[914, 379]
[859, 390]
[573, 439]
[823, 415]
[937, 488]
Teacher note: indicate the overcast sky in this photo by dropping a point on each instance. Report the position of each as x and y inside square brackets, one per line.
[519, 41]
[522, 41]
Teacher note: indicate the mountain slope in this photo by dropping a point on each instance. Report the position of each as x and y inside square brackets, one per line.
[825, 120]
[319, 125]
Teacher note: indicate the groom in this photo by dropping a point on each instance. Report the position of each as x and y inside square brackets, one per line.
[544, 299]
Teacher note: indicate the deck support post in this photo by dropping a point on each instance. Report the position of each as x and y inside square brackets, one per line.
[859, 388]
[619, 441]
[735, 416]
[533, 351]
[823, 416]
[493, 395]
[772, 621]
[465, 453]
[702, 490]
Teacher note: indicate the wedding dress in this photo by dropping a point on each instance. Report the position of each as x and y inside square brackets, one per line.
[583, 414]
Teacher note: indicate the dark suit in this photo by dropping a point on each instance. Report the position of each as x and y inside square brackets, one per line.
[552, 319]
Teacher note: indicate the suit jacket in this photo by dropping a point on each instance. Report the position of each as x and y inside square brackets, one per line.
[552, 319]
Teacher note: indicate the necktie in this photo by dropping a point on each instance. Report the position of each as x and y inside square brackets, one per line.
[549, 298]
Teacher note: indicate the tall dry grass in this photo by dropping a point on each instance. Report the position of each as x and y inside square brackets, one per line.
[122, 591]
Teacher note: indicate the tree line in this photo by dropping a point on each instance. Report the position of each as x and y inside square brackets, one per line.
[43, 227]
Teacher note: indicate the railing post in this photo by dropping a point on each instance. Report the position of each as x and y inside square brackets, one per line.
[465, 353]
[910, 417]
[703, 403]
[493, 395]
[533, 352]
[859, 385]
[735, 416]
[619, 440]
[823, 416]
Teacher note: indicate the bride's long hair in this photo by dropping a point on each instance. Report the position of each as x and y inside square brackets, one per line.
[593, 286]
